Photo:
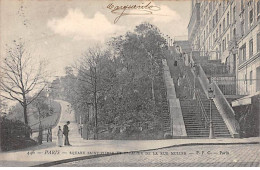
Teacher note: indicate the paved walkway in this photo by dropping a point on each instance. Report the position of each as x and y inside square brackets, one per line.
[67, 114]
[184, 156]
[49, 152]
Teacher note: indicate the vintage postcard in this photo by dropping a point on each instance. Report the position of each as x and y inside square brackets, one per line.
[125, 83]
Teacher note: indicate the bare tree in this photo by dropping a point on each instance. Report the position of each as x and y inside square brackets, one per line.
[90, 72]
[21, 77]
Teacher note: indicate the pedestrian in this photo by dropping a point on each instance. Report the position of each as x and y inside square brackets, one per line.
[60, 136]
[179, 81]
[175, 63]
[66, 134]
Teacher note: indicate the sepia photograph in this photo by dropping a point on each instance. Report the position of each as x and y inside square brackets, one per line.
[129, 83]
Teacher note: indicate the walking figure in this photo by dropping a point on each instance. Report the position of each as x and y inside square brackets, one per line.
[66, 134]
[179, 80]
[60, 137]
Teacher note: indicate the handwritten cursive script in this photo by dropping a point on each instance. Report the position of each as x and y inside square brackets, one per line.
[142, 9]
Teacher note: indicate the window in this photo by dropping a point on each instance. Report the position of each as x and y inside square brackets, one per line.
[243, 53]
[251, 17]
[217, 54]
[217, 33]
[219, 29]
[258, 10]
[242, 28]
[210, 26]
[216, 16]
[220, 49]
[223, 45]
[251, 48]
[234, 32]
[251, 77]
[228, 19]
[258, 41]
[224, 24]
[234, 14]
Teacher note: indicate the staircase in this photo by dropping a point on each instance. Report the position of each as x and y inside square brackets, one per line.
[194, 124]
[165, 111]
[165, 106]
[196, 112]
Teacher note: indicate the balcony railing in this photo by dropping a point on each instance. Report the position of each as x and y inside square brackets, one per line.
[212, 69]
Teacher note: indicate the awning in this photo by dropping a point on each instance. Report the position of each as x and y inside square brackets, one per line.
[244, 100]
[241, 102]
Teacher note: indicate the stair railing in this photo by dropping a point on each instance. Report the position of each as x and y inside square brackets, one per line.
[202, 109]
[184, 71]
[224, 108]
[197, 93]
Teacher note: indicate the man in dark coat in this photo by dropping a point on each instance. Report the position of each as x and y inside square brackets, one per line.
[66, 134]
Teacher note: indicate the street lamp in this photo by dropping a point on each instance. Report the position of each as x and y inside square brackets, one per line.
[49, 133]
[194, 82]
[211, 128]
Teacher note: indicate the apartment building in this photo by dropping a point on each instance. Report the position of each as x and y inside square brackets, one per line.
[248, 63]
[213, 30]
[228, 31]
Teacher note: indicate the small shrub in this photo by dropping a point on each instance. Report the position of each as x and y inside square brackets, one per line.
[14, 135]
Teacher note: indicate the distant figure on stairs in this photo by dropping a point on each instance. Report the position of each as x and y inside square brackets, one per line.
[60, 137]
[179, 80]
[175, 63]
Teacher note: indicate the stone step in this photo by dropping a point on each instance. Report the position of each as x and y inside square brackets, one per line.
[202, 131]
[217, 119]
[206, 130]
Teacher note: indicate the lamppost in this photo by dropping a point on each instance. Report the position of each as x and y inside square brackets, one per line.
[194, 82]
[49, 131]
[211, 128]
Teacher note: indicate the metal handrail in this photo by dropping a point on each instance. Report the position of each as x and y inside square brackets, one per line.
[202, 108]
[204, 113]
[221, 103]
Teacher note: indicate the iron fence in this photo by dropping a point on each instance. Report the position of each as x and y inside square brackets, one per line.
[233, 86]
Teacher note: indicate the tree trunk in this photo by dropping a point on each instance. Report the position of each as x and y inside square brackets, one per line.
[25, 114]
[153, 95]
[95, 103]
[152, 75]
[96, 123]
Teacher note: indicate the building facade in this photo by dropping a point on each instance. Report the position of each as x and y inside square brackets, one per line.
[248, 63]
[228, 31]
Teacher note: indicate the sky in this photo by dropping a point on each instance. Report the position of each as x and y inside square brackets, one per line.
[59, 31]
